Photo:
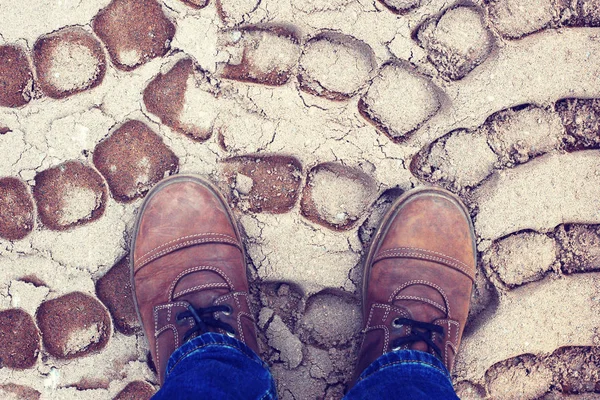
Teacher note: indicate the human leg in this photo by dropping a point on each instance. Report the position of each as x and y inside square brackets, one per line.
[404, 374]
[216, 366]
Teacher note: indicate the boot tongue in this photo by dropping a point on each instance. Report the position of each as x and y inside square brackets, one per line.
[416, 300]
[200, 288]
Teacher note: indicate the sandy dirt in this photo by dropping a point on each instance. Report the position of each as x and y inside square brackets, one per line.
[312, 116]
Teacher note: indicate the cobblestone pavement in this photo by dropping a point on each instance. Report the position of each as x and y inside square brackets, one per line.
[313, 116]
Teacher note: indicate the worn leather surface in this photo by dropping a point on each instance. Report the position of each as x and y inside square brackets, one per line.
[421, 266]
[187, 250]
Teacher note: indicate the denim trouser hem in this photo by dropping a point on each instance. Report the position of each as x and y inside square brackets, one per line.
[210, 339]
[404, 374]
[217, 366]
[398, 357]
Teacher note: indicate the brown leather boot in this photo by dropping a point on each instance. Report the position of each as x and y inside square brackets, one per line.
[188, 268]
[418, 278]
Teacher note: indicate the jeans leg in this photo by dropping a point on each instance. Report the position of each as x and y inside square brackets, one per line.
[404, 374]
[215, 366]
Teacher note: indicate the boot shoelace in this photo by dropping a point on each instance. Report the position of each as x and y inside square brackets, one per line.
[420, 332]
[204, 318]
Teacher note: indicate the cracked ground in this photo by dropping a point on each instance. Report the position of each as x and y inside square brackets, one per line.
[312, 116]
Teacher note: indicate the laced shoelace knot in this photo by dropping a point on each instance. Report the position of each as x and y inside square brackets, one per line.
[419, 332]
[204, 319]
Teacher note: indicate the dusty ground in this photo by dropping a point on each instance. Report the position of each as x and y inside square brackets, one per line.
[313, 116]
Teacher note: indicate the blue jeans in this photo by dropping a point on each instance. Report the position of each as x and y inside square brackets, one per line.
[215, 366]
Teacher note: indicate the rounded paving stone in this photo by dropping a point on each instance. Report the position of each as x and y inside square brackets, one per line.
[137, 390]
[581, 119]
[68, 195]
[507, 138]
[175, 99]
[521, 377]
[444, 161]
[165, 94]
[68, 61]
[337, 196]
[400, 6]
[580, 248]
[73, 325]
[134, 32]
[16, 209]
[457, 41]
[114, 290]
[132, 159]
[335, 66]
[260, 55]
[12, 391]
[268, 183]
[399, 101]
[515, 18]
[16, 78]
[521, 133]
[19, 339]
[331, 320]
[523, 257]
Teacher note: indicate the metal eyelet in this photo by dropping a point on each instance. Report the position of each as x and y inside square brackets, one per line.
[396, 324]
[230, 334]
[229, 310]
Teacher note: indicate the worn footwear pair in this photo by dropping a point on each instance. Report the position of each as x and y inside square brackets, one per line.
[188, 272]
